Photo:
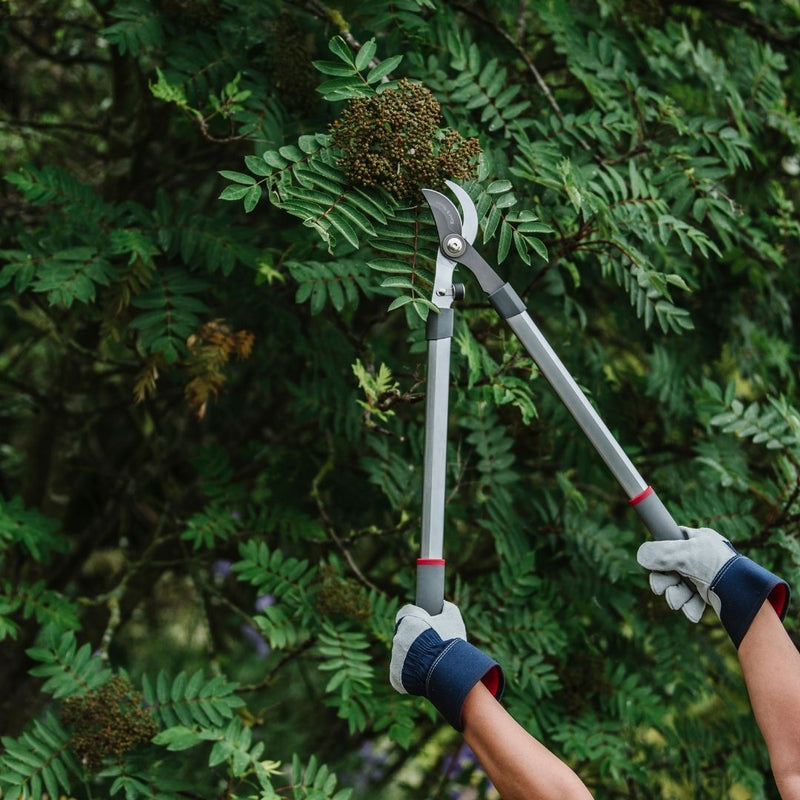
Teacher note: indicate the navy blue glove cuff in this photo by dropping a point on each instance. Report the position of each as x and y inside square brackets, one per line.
[446, 671]
[742, 587]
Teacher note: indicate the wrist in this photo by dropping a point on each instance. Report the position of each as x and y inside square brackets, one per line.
[742, 587]
[446, 671]
[456, 671]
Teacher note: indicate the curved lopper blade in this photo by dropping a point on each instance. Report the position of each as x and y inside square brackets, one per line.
[469, 214]
[445, 213]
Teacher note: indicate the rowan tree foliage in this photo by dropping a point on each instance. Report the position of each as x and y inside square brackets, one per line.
[215, 268]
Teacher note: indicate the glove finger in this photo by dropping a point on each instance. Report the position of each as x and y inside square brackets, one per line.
[663, 556]
[449, 624]
[695, 533]
[411, 621]
[694, 608]
[678, 595]
[396, 669]
[410, 610]
[661, 581]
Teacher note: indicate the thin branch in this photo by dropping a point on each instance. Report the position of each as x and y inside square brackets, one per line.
[522, 7]
[537, 76]
[43, 52]
[591, 246]
[57, 126]
[273, 674]
[335, 17]
[329, 525]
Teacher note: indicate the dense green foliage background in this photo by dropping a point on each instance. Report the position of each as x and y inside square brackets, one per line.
[211, 409]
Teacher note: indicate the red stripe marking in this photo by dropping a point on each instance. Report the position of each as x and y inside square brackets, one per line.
[639, 497]
[430, 562]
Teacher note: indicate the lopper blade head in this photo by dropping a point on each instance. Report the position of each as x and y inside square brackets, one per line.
[469, 214]
[445, 213]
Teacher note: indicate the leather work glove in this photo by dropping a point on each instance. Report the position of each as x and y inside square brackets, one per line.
[432, 658]
[706, 568]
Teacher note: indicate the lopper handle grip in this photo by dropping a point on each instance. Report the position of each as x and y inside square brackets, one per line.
[655, 516]
[430, 585]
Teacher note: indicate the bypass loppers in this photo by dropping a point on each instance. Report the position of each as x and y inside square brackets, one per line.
[457, 232]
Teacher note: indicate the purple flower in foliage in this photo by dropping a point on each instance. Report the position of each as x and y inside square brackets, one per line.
[264, 601]
[372, 767]
[221, 568]
[461, 767]
[463, 793]
[372, 756]
[256, 639]
[455, 764]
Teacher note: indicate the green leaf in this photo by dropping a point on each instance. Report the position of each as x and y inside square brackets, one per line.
[333, 68]
[251, 198]
[343, 88]
[504, 244]
[238, 177]
[382, 70]
[339, 48]
[236, 192]
[257, 166]
[178, 738]
[365, 54]
[499, 187]
[398, 302]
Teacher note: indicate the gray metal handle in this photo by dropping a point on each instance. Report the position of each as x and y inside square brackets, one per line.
[430, 585]
[430, 566]
[655, 516]
[642, 497]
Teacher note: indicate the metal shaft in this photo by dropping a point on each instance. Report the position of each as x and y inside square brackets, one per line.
[577, 404]
[435, 467]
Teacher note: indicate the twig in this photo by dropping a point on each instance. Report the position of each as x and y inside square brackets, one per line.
[537, 76]
[270, 678]
[114, 619]
[330, 527]
[43, 52]
[59, 126]
[335, 17]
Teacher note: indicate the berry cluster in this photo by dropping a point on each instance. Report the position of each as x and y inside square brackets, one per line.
[107, 722]
[337, 595]
[393, 140]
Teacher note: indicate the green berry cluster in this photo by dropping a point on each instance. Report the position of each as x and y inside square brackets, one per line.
[393, 140]
[339, 596]
[107, 722]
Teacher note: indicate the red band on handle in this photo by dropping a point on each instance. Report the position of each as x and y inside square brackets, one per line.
[430, 562]
[639, 497]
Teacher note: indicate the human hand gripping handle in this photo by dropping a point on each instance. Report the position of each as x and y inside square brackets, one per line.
[432, 658]
[706, 568]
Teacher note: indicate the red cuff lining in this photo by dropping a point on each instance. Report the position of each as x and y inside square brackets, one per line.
[778, 598]
[491, 680]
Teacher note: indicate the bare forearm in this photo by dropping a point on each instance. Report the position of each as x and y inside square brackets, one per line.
[771, 668]
[519, 766]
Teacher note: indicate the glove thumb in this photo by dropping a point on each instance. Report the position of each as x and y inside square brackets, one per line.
[661, 556]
